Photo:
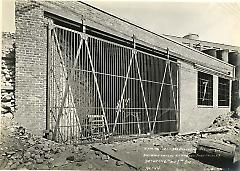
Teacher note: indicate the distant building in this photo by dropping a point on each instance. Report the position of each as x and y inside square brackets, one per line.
[227, 53]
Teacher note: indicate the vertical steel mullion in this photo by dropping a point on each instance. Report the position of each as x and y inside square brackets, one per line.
[87, 82]
[101, 60]
[112, 78]
[159, 97]
[81, 82]
[66, 61]
[52, 94]
[96, 66]
[178, 99]
[121, 60]
[79, 130]
[76, 118]
[72, 40]
[107, 68]
[63, 58]
[73, 89]
[66, 87]
[110, 64]
[90, 76]
[113, 84]
[57, 94]
[94, 89]
[103, 69]
[108, 78]
[99, 45]
[170, 73]
[144, 99]
[95, 79]
[125, 111]
[122, 53]
[115, 78]
[48, 78]
[84, 76]
[53, 100]
[130, 92]
[118, 57]
[142, 117]
[70, 95]
[90, 79]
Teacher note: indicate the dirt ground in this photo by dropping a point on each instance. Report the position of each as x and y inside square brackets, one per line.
[19, 149]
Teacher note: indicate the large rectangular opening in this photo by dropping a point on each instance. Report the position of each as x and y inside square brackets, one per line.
[98, 88]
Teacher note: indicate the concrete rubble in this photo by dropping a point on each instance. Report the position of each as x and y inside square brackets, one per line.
[8, 76]
[22, 150]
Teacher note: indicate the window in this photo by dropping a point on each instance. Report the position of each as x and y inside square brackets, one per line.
[205, 89]
[223, 92]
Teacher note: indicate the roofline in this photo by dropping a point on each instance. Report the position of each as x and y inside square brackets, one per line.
[162, 36]
[198, 51]
[202, 41]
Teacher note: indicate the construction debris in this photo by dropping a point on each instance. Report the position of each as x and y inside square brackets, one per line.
[8, 76]
[115, 155]
[215, 149]
[22, 150]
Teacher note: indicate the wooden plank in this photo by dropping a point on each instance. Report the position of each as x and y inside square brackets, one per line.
[221, 129]
[115, 155]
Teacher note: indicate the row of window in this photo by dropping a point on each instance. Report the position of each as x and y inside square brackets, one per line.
[205, 90]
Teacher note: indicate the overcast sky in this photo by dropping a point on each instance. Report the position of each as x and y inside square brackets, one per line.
[213, 21]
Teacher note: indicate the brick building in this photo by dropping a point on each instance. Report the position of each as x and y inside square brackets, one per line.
[75, 63]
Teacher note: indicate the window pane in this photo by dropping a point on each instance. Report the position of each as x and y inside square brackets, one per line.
[205, 89]
[223, 92]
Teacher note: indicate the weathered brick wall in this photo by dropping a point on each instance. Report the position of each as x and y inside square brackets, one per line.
[31, 64]
[194, 117]
[8, 75]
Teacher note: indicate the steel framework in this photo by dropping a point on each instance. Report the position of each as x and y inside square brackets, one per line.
[122, 90]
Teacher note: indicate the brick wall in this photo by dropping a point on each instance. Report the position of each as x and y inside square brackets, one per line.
[8, 75]
[194, 117]
[31, 64]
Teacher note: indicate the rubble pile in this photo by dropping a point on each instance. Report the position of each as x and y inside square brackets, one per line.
[227, 128]
[8, 75]
[19, 149]
[22, 150]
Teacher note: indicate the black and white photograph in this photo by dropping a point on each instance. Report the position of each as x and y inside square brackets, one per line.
[120, 85]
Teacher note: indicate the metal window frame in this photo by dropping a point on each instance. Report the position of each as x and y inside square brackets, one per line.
[200, 76]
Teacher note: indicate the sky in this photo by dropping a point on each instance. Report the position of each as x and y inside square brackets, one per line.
[215, 21]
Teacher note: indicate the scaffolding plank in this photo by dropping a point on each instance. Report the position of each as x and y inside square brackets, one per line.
[115, 155]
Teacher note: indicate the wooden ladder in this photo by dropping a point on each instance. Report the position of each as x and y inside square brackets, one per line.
[97, 126]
